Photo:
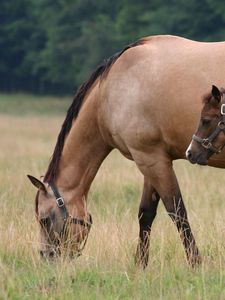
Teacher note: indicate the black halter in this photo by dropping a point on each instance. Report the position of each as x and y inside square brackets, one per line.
[207, 142]
[64, 213]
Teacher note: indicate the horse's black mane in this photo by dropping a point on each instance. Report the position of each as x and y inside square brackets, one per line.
[74, 109]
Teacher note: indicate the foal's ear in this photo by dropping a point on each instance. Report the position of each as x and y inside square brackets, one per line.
[37, 183]
[216, 93]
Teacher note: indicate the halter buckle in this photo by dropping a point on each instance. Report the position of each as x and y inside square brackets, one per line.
[206, 144]
[60, 202]
[222, 109]
[221, 124]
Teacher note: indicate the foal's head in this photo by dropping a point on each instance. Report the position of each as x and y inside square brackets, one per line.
[60, 232]
[210, 135]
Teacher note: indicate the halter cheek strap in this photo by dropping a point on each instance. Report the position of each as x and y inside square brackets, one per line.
[64, 213]
[60, 203]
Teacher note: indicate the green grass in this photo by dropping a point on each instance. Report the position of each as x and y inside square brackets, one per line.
[23, 104]
[106, 269]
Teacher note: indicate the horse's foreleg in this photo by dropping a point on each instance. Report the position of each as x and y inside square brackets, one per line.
[158, 168]
[178, 214]
[146, 215]
[167, 186]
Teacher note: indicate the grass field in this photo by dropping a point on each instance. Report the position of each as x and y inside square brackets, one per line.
[106, 270]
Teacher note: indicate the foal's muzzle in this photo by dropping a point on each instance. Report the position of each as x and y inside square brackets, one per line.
[199, 158]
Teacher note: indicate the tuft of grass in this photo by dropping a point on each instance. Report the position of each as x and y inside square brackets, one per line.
[106, 269]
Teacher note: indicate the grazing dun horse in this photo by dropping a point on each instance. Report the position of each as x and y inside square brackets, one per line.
[144, 101]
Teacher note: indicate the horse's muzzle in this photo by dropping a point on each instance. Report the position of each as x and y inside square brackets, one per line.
[199, 158]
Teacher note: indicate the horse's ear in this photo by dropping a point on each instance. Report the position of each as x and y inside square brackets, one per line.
[216, 93]
[37, 183]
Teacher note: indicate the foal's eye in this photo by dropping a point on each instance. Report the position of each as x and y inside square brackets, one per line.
[206, 122]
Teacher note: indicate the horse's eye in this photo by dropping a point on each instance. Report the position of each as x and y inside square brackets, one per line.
[45, 221]
[206, 122]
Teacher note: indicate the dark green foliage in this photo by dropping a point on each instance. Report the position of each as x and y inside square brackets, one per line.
[51, 46]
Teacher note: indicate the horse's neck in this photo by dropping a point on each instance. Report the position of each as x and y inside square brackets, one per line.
[83, 153]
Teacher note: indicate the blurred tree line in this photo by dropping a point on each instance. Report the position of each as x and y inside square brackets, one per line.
[51, 46]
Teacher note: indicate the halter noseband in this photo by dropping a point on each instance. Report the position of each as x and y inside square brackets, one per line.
[207, 142]
[64, 213]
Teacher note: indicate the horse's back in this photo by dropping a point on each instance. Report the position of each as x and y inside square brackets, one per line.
[151, 96]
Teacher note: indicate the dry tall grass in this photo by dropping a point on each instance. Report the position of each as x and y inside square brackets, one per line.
[106, 269]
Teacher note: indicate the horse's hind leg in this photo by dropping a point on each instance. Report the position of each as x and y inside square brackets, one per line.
[146, 216]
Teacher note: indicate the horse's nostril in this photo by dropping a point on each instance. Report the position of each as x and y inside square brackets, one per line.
[46, 254]
[51, 254]
[189, 154]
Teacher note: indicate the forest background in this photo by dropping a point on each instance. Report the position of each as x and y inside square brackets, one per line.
[52, 46]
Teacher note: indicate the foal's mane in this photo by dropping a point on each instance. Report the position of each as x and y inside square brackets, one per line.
[74, 109]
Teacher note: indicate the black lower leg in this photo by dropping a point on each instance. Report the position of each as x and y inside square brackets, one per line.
[179, 216]
[146, 215]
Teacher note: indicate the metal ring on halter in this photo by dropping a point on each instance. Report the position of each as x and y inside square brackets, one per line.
[222, 109]
[221, 125]
[206, 144]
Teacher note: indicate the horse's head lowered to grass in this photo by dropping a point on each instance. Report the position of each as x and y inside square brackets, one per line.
[59, 230]
[210, 135]
[61, 207]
